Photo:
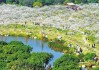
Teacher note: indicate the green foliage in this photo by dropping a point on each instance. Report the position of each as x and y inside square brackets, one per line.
[91, 38]
[3, 43]
[20, 46]
[1, 3]
[2, 65]
[67, 62]
[21, 2]
[89, 56]
[27, 2]
[92, 1]
[58, 1]
[9, 1]
[17, 56]
[39, 58]
[67, 1]
[39, 4]
[15, 43]
[81, 56]
[58, 45]
[84, 1]
[78, 1]
[97, 68]
[47, 2]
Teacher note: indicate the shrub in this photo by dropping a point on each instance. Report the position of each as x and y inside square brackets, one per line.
[67, 62]
[89, 56]
[78, 1]
[97, 68]
[15, 43]
[8, 1]
[16, 55]
[3, 43]
[39, 4]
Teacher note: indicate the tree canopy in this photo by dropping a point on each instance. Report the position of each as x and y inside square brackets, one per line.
[67, 62]
[46, 2]
[17, 56]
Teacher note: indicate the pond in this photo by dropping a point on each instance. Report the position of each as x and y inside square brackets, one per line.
[38, 45]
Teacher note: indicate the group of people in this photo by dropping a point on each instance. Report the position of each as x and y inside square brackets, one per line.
[77, 48]
[93, 45]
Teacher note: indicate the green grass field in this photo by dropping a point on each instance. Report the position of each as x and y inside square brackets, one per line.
[32, 31]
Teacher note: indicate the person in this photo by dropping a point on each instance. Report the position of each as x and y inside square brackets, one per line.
[46, 36]
[70, 45]
[59, 37]
[77, 46]
[25, 22]
[95, 59]
[93, 46]
[81, 50]
[78, 49]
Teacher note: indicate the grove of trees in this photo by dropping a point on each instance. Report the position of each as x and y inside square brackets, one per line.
[46, 2]
[17, 56]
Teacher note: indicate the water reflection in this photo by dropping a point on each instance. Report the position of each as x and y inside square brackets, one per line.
[26, 38]
[42, 44]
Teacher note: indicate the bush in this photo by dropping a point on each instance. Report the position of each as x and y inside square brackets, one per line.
[39, 58]
[39, 4]
[17, 56]
[2, 65]
[15, 43]
[97, 68]
[8, 1]
[67, 62]
[92, 38]
[89, 56]
[66, 1]
[3, 43]
[78, 1]
[58, 45]
[93, 1]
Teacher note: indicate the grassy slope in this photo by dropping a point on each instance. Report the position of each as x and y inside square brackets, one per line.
[78, 22]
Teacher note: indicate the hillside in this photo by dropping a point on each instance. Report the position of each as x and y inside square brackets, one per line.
[72, 33]
[56, 16]
[84, 22]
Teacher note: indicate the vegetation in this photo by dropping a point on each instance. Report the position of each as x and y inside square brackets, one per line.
[37, 4]
[58, 45]
[17, 56]
[46, 2]
[89, 56]
[66, 30]
[72, 62]
[67, 62]
[96, 68]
